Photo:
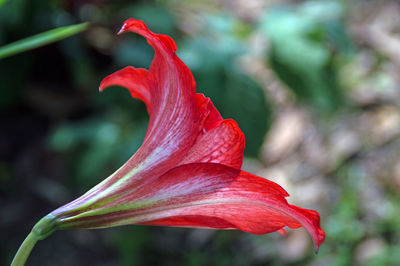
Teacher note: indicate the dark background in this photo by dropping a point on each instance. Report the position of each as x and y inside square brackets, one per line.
[314, 85]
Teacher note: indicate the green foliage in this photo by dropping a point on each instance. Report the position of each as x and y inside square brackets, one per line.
[302, 49]
[161, 19]
[98, 146]
[10, 13]
[131, 243]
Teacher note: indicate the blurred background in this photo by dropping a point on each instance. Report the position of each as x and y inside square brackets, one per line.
[314, 85]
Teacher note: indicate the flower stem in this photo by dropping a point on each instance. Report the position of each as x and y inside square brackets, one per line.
[41, 230]
[25, 249]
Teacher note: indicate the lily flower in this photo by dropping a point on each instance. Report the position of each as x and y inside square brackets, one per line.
[187, 173]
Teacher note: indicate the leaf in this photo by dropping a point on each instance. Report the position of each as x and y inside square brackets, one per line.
[41, 39]
[2, 2]
[245, 102]
[301, 55]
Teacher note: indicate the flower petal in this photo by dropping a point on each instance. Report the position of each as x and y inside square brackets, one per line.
[172, 92]
[174, 120]
[209, 114]
[216, 196]
[174, 123]
[220, 141]
[134, 79]
[205, 195]
[223, 144]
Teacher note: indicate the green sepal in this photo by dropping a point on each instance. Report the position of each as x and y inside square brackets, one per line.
[45, 227]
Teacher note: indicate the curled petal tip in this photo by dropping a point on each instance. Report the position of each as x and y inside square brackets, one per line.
[102, 86]
[132, 23]
[282, 231]
[316, 249]
[319, 241]
[122, 30]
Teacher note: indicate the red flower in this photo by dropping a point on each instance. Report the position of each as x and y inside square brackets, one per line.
[187, 172]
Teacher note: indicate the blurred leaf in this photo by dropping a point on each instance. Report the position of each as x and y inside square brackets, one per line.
[6, 175]
[131, 241]
[245, 102]
[134, 51]
[97, 146]
[302, 57]
[12, 81]
[41, 39]
[343, 224]
[329, 15]
[226, 33]
[339, 37]
[194, 258]
[79, 64]
[10, 12]
[322, 10]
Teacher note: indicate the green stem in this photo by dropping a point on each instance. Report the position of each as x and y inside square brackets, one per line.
[41, 39]
[41, 230]
[25, 249]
